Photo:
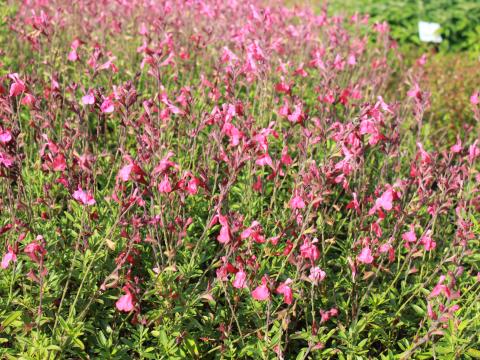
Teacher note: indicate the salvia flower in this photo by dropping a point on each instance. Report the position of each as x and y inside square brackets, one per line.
[240, 280]
[261, 292]
[365, 256]
[126, 302]
[8, 257]
[83, 197]
[286, 291]
[316, 275]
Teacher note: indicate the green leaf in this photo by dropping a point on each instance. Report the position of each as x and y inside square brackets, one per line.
[474, 353]
[11, 318]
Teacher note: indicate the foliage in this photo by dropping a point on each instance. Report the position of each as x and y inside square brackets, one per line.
[459, 20]
[226, 179]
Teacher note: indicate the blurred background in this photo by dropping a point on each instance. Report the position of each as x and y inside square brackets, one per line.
[453, 70]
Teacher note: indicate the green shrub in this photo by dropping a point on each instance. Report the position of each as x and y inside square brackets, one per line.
[459, 19]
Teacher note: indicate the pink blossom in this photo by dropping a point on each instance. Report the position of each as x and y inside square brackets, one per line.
[440, 288]
[8, 257]
[125, 302]
[192, 186]
[165, 186]
[309, 251]
[261, 292]
[297, 203]
[428, 242]
[17, 87]
[59, 163]
[72, 55]
[473, 151]
[28, 100]
[354, 204]
[286, 159]
[326, 315]
[224, 236]
[297, 115]
[455, 149]
[286, 290]
[6, 160]
[83, 197]
[5, 136]
[474, 99]
[410, 236]
[381, 27]
[415, 92]
[388, 248]
[316, 275]
[107, 106]
[365, 256]
[264, 160]
[88, 99]
[240, 280]
[430, 312]
[124, 173]
[385, 201]
[34, 249]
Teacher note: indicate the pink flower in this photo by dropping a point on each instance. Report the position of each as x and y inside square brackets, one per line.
[6, 160]
[164, 186]
[286, 159]
[131, 172]
[59, 163]
[83, 197]
[240, 280]
[5, 136]
[316, 275]
[233, 133]
[286, 290]
[385, 201]
[107, 106]
[422, 60]
[264, 160]
[28, 100]
[431, 313]
[455, 149]
[261, 292]
[388, 248]
[296, 116]
[440, 288]
[9, 256]
[428, 242]
[309, 251]
[192, 186]
[88, 99]
[125, 302]
[124, 173]
[326, 315]
[72, 55]
[415, 92]
[297, 203]
[410, 236]
[424, 155]
[474, 99]
[17, 87]
[34, 249]
[365, 256]
[224, 236]
[354, 204]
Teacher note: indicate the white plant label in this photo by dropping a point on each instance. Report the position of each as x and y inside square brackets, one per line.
[429, 32]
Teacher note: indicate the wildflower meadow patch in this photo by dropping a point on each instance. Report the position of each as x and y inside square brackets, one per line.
[228, 179]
